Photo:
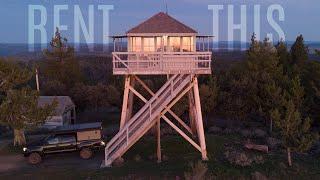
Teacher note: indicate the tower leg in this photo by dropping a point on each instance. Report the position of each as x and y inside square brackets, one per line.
[125, 102]
[158, 141]
[199, 120]
[130, 99]
[192, 113]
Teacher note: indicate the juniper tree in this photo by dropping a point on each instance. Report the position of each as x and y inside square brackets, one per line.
[11, 75]
[18, 105]
[311, 82]
[284, 56]
[20, 111]
[209, 95]
[299, 52]
[60, 51]
[61, 64]
[254, 86]
[294, 129]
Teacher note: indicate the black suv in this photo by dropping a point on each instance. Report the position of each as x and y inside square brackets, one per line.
[81, 137]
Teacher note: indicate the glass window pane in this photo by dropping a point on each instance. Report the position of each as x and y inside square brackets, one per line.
[186, 44]
[165, 43]
[53, 140]
[130, 44]
[174, 44]
[136, 44]
[148, 44]
[158, 46]
[192, 44]
[67, 139]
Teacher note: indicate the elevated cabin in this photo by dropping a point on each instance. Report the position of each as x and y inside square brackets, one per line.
[161, 45]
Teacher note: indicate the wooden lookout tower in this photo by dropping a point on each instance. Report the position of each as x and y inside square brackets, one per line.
[159, 46]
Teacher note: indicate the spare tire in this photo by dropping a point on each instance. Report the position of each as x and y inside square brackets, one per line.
[86, 153]
[34, 158]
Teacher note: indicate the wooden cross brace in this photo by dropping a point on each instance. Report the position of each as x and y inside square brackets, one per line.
[168, 109]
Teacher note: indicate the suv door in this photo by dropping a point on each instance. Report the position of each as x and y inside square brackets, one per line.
[67, 142]
[51, 144]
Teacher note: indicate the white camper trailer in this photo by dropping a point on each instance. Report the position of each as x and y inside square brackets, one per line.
[64, 113]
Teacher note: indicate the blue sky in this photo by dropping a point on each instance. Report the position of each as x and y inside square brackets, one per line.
[301, 17]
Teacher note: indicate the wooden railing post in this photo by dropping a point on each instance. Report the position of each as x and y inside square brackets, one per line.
[158, 140]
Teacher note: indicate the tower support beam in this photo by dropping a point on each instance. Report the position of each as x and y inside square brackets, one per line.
[135, 92]
[125, 102]
[192, 112]
[130, 98]
[170, 111]
[199, 120]
[191, 89]
[158, 141]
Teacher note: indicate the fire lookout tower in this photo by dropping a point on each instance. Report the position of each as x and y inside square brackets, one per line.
[160, 45]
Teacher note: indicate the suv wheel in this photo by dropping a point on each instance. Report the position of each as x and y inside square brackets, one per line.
[34, 158]
[86, 153]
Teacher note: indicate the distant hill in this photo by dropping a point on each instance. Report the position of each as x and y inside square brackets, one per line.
[221, 50]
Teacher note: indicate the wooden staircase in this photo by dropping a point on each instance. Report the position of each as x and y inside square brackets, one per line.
[146, 117]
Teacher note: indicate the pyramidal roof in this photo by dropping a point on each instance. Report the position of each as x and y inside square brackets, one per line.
[161, 23]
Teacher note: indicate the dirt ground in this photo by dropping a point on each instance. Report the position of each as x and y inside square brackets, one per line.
[11, 162]
[14, 163]
[178, 161]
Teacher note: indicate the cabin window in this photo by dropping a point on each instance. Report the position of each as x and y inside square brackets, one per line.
[165, 43]
[148, 44]
[158, 44]
[187, 44]
[136, 44]
[174, 44]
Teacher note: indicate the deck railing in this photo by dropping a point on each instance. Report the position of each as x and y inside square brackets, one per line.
[161, 62]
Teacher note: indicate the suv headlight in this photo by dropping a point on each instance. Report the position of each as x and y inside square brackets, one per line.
[24, 149]
[102, 143]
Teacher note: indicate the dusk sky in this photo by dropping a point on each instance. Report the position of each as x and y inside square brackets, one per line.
[301, 17]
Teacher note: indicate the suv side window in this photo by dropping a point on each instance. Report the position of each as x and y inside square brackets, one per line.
[67, 138]
[53, 140]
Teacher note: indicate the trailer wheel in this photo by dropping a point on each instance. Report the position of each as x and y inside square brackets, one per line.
[86, 153]
[34, 158]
